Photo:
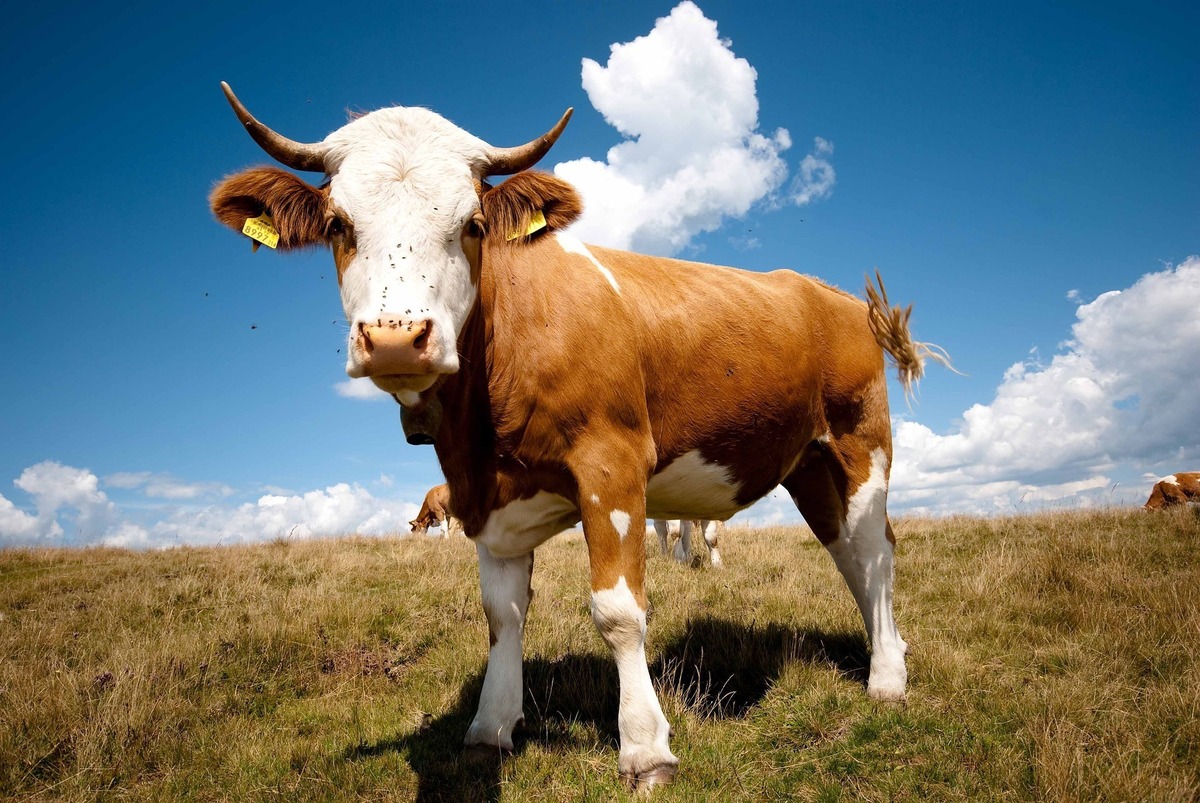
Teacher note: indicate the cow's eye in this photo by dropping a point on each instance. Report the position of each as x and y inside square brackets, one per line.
[335, 227]
[474, 227]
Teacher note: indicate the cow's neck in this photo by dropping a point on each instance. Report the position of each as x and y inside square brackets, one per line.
[465, 441]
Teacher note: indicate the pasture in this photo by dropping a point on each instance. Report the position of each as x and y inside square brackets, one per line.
[1053, 657]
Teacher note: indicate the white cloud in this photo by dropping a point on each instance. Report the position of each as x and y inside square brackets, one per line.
[72, 511]
[363, 389]
[1119, 397]
[693, 154]
[817, 175]
[59, 492]
[340, 509]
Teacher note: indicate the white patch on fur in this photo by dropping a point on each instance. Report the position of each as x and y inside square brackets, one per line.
[1171, 480]
[520, 526]
[595, 499]
[644, 730]
[573, 246]
[620, 522]
[690, 488]
[408, 398]
[404, 178]
[864, 557]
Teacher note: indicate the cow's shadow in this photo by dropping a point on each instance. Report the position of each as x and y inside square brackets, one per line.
[716, 668]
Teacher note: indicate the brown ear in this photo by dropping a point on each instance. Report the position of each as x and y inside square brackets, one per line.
[510, 206]
[296, 207]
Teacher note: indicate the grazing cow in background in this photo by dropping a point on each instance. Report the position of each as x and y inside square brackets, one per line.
[683, 546]
[579, 383]
[435, 511]
[1177, 489]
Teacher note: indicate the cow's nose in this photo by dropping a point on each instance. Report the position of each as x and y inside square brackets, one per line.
[393, 346]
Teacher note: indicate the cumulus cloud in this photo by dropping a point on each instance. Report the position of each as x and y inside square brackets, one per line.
[61, 495]
[340, 509]
[693, 154]
[1118, 397]
[817, 175]
[72, 511]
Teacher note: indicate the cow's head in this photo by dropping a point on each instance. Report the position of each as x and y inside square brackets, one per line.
[401, 211]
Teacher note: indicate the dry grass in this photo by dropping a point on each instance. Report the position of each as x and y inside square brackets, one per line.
[1053, 657]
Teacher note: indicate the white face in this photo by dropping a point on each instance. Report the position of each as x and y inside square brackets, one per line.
[402, 181]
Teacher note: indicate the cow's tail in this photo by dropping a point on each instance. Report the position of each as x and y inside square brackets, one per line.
[889, 325]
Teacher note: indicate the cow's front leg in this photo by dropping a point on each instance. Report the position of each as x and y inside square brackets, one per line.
[614, 523]
[506, 591]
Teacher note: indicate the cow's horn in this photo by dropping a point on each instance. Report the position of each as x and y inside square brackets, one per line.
[506, 161]
[296, 155]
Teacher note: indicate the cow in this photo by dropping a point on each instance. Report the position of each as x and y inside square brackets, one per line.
[683, 547]
[1177, 489]
[586, 384]
[435, 511]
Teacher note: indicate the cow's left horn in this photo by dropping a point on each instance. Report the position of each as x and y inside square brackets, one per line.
[296, 155]
[506, 161]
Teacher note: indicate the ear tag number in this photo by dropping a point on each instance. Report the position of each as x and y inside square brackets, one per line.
[261, 229]
[536, 223]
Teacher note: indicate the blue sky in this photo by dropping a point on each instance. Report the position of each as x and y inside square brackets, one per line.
[1004, 165]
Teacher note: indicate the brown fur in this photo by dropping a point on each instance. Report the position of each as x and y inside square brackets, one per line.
[297, 208]
[571, 388]
[1186, 488]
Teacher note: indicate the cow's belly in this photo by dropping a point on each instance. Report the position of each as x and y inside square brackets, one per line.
[692, 488]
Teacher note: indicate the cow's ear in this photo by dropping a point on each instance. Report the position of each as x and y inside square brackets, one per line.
[297, 209]
[512, 207]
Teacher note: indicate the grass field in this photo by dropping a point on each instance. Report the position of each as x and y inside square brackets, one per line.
[1053, 657]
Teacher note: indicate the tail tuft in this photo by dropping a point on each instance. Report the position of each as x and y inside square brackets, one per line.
[889, 325]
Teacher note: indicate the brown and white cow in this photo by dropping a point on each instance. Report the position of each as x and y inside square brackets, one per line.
[586, 384]
[1177, 489]
[435, 512]
[709, 530]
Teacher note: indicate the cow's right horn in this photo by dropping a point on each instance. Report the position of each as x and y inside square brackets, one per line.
[296, 155]
[506, 161]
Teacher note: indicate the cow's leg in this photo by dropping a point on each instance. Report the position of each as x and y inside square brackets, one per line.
[849, 516]
[709, 528]
[506, 591]
[662, 528]
[613, 508]
[683, 547]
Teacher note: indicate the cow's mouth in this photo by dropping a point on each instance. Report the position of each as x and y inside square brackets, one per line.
[400, 383]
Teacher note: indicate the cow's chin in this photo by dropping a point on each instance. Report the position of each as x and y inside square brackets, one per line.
[404, 383]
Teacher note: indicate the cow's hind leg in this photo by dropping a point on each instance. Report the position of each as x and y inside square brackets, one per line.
[711, 533]
[841, 490]
[662, 529]
[683, 547]
[613, 508]
[505, 586]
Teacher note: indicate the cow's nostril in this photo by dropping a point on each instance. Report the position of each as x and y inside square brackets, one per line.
[422, 340]
[365, 337]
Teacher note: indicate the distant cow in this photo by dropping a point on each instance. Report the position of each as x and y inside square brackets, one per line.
[1177, 489]
[586, 383]
[683, 547]
[435, 511]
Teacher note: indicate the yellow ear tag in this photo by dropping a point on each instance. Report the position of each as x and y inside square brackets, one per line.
[536, 223]
[261, 229]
